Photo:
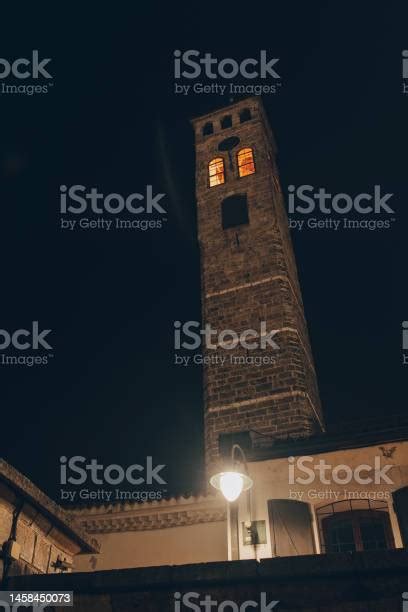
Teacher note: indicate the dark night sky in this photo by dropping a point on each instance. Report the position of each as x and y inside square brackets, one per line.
[112, 121]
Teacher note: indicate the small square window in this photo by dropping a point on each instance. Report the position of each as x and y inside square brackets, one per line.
[234, 211]
[208, 129]
[245, 115]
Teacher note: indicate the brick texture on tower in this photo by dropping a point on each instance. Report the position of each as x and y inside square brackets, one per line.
[249, 276]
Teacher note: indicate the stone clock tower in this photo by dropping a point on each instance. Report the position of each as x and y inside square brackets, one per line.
[249, 281]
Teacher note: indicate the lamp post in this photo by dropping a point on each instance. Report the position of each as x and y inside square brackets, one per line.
[232, 483]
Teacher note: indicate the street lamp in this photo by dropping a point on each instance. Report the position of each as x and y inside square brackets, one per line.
[233, 482]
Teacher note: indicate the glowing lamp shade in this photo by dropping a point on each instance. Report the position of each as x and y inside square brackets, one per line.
[231, 484]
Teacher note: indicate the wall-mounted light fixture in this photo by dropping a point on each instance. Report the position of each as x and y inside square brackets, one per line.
[235, 480]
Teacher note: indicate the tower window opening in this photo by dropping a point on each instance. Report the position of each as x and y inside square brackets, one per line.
[216, 171]
[245, 115]
[226, 122]
[234, 211]
[208, 129]
[246, 164]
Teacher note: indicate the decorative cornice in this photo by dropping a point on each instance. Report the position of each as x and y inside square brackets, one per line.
[149, 506]
[162, 514]
[148, 522]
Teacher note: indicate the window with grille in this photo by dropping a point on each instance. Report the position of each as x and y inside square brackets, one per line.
[246, 164]
[356, 528]
[216, 172]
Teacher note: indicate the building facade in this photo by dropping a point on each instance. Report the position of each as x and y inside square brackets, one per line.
[314, 492]
[36, 535]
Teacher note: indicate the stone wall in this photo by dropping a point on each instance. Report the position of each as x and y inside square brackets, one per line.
[249, 275]
[358, 582]
[39, 543]
[35, 533]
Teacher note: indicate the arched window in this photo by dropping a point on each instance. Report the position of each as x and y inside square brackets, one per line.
[245, 115]
[353, 525]
[208, 129]
[246, 164]
[216, 172]
[226, 122]
[234, 211]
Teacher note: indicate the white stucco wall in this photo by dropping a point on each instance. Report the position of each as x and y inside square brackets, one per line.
[207, 540]
[272, 481]
[174, 546]
[169, 532]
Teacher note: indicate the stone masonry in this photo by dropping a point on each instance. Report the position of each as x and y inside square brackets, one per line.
[248, 275]
[374, 581]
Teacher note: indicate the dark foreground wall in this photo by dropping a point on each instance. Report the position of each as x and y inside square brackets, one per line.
[357, 582]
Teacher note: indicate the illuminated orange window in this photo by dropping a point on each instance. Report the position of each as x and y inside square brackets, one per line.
[216, 171]
[246, 164]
